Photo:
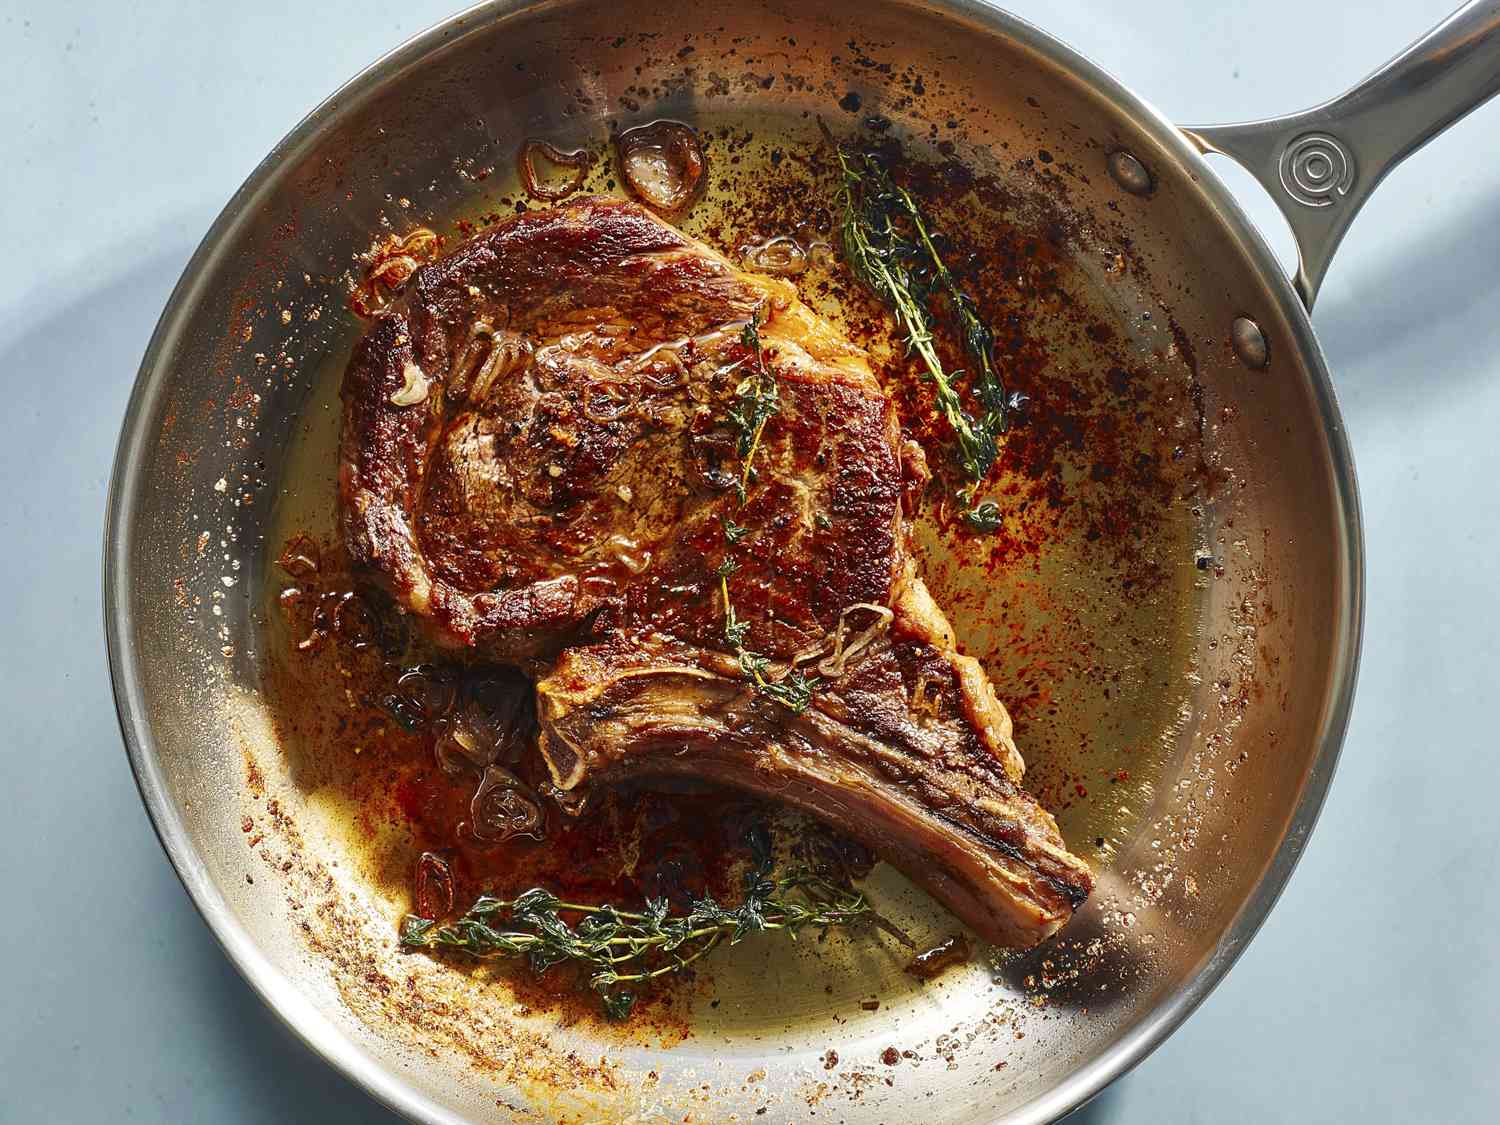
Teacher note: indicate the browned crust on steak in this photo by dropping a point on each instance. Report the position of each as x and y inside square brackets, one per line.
[936, 793]
[537, 461]
[516, 562]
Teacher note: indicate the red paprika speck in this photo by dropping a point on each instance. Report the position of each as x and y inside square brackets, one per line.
[411, 798]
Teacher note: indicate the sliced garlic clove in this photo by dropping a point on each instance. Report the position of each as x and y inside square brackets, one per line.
[663, 163]
[414, 387]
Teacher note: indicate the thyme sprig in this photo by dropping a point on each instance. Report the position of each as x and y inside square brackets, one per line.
[794, 690]
[633, 947]
[890, 248]
[757, 401]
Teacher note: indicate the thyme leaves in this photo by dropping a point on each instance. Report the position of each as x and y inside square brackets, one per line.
[735, 630]
[733, 532]
[983, 517]
[757, 401]
[623, 949]
[793, 690]
[891, 249]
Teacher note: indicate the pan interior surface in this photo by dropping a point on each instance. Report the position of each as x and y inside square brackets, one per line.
[1171, 610]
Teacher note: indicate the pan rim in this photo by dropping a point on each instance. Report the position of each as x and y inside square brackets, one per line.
[338, 1047]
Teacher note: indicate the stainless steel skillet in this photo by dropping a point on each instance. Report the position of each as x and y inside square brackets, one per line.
[1241, 713]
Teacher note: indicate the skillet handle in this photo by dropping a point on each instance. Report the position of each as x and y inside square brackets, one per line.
[1321, 165]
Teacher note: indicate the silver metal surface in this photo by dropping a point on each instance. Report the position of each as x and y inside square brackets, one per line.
[1320, 165]
[1129, 173]
[238, 370]
[1249, 343]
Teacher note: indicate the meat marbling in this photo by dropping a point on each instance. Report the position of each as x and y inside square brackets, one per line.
[537, 460]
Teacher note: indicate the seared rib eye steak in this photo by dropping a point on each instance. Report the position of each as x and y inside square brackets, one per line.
[541, 459]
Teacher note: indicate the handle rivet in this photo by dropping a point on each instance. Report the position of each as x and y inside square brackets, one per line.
[1129, 172]
[1249, 343]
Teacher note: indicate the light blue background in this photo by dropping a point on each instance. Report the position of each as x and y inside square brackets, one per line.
[1372, 993]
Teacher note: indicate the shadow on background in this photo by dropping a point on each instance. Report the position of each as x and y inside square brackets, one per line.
[1415, 288]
